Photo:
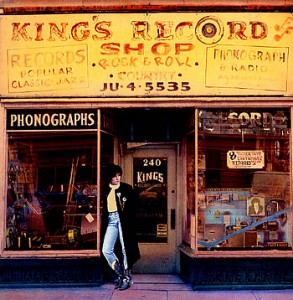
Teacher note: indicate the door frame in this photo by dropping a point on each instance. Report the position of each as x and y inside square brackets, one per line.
[171, 151]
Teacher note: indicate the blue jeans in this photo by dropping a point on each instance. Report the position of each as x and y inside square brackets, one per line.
[114, 230]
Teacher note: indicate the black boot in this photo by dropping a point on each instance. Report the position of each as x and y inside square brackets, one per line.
[125, 284]
[118, 282]
[119, 272]
[127, 274]
[126, 281]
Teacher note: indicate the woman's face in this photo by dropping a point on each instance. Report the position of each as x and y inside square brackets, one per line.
[116, 179]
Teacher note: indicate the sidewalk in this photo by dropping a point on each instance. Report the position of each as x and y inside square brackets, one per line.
[145, 287]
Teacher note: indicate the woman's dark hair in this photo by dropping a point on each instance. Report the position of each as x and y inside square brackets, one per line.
[112, 171]
[255, 200]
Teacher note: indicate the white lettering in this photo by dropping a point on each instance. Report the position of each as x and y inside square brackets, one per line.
[55, 120]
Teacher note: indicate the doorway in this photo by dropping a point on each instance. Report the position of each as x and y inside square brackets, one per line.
[149, 147]
[152, 172]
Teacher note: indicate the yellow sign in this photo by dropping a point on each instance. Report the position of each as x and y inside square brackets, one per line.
[247, 67]
[244, 159]
[146, 54]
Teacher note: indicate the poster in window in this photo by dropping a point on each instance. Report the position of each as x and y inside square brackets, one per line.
[256, 206]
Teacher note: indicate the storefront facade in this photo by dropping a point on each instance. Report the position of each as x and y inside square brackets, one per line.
[195, 104]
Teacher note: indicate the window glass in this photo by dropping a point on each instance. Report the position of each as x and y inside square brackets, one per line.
[150, 182]
[51, 186]
[243, 169]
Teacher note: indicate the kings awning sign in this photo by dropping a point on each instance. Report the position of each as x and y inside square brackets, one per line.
[146, 54]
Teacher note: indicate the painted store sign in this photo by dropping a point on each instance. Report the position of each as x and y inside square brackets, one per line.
[147, 54]
[46, 120]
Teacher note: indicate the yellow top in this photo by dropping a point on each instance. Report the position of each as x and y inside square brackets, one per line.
[111, 200]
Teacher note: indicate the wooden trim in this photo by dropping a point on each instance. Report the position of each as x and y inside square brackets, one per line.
[49, 254]
[3, 178]
[99, 182]
[237, 254]
[155, 102]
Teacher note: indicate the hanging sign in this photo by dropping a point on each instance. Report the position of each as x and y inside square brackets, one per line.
[146, 54]
[245, 159]
[48, 120]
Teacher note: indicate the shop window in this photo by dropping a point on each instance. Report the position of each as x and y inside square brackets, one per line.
[243, 172]
[52, 185]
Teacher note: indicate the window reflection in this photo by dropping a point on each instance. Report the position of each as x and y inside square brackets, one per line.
[52, 191]
[243, 171]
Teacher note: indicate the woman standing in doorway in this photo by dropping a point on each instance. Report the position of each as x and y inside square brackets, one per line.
[120, 246]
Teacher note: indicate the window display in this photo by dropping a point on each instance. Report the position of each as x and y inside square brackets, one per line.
[52, 180]
[243, 179]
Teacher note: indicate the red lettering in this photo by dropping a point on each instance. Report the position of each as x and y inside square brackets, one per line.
[237, 30]
[164, 30]
[259, 35]
[110, 48]
[183, 47]
[54, 30]
[180, 30]
[140, 29]
[84, 33]
[39, 27]
[165, 49]
[105, 34]
[139, 49]
[16, 32]
[158, 61]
